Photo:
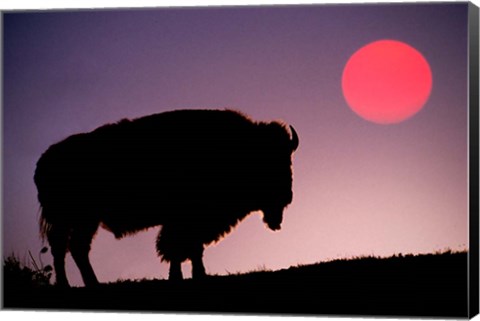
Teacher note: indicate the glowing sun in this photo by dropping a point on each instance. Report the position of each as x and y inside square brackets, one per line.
[386, 81]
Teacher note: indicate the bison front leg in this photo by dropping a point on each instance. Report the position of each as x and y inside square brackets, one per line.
[175, 244]
[198, 269]
[175, 272]
[169, 248]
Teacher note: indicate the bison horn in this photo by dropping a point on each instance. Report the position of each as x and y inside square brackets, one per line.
[294, 138]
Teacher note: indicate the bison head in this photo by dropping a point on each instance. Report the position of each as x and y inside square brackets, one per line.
[277, 174]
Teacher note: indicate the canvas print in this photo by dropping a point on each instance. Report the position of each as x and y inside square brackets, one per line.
[292, 160]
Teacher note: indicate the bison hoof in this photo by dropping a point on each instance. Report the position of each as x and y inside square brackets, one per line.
[92, 284]
[62, 285]
[198, 275]
[175, 276]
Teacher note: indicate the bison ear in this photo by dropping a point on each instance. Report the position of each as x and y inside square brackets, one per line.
[295, 140]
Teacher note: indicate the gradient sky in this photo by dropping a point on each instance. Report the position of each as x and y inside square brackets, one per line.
[359, 188]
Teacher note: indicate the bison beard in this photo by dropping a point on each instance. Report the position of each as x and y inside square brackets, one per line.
[197, 173]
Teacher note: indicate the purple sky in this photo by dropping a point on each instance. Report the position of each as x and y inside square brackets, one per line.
[359, 188]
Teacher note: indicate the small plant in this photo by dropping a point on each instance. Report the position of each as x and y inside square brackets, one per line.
[18, 274]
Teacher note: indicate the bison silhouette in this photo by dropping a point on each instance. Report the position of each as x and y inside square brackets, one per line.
[197, 173]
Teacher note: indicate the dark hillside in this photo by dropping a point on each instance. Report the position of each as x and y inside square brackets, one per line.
[424, 285]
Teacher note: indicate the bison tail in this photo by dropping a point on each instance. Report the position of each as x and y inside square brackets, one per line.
[45, 226]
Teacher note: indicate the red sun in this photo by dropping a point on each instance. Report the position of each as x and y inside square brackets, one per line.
[386, 81]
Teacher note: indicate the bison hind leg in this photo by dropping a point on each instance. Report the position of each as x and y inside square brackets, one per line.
[80, 242]
[57, 236]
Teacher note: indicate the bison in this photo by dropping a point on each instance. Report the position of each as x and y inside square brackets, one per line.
[196, 173]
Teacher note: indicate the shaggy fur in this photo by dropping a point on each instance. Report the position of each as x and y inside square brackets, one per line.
[197, 173]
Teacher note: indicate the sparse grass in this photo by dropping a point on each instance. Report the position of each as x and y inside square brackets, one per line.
[446, 251]
[259, 269]
[26, 274]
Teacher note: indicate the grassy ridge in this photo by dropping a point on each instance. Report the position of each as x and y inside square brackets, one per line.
[424, 285]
